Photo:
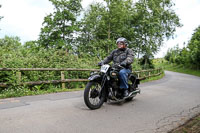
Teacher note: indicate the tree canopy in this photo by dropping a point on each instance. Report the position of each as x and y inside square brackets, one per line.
[59, 26]
[194, 47]
[189, 55]
[145, 24]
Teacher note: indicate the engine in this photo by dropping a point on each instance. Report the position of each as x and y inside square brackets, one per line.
[114, 79]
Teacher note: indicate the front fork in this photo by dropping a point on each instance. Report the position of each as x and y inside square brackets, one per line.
[104, 87]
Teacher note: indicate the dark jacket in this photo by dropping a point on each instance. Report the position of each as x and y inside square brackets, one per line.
[118, 56]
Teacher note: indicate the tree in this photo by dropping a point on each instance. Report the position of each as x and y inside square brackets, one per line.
[173, 55]
[154, 20]
[188, 56]
[146, 62]
[194, 48]
[103, 24]
[9, 43]
[59, 26]
[145, 24]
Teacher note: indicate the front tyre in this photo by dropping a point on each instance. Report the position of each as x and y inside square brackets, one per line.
[93, 95]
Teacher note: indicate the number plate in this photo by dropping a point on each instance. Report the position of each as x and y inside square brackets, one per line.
[105, 68]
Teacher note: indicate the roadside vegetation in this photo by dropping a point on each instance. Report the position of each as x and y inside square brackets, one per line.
[191, 126]
[187, 57]
[184, 60]
[15, 55]
[166, 65]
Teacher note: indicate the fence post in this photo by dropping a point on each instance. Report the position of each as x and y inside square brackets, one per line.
[149, 74]
[62, 78]
[138, 75]
[19, 77]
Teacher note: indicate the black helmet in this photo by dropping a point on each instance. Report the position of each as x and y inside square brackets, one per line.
[122, 39]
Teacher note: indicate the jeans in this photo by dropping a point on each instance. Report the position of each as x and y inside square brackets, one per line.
[123, 76]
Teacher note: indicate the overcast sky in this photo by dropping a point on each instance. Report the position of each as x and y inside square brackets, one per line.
[23, 18]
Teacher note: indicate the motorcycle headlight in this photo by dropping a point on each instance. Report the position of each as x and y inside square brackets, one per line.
[113, 74]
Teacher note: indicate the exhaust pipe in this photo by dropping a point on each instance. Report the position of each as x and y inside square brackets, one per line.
[135, 92]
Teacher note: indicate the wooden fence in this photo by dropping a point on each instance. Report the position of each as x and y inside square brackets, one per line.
[143, 74]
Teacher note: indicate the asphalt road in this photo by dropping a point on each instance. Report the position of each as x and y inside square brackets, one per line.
[162, 105]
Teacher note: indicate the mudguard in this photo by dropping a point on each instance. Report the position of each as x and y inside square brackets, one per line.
[134, 79]
[94, 77]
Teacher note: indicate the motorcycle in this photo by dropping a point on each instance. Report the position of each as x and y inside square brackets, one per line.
[104, 86]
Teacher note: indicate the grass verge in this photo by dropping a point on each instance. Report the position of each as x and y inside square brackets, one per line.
[181, 69]
[191, 126]
[154, 78]
[23, 91]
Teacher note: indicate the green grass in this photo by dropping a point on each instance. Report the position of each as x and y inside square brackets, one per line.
[153, 78]
[24, 91]
[162, 63]
[181, 69]
[191, 126]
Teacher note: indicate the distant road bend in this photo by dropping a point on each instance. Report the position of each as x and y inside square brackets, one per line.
[162, 105]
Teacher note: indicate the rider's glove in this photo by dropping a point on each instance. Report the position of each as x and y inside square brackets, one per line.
[100, 63]
[123, 64]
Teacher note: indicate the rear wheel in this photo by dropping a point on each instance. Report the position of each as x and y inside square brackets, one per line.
[93, 96]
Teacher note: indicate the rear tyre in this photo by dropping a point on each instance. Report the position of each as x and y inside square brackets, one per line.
[94, 97]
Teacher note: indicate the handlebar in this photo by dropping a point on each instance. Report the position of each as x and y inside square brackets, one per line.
[118, 66]
[114, 65]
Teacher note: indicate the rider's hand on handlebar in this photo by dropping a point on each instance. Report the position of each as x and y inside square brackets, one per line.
[117, 65]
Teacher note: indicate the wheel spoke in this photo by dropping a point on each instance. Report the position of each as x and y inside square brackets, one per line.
[93, 96]
[96, 100]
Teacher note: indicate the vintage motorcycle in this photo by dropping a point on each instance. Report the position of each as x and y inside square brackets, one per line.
[104, 86]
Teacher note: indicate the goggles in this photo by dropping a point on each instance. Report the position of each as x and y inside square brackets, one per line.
[120, 43]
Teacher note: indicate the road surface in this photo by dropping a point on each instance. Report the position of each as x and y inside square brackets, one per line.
[162, 105]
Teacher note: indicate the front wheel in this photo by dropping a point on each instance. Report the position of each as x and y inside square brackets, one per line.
[94, 97]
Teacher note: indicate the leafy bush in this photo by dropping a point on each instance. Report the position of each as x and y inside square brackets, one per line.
[15, 55]
[188, 56]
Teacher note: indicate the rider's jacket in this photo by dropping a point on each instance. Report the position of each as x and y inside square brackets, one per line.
[120, 56]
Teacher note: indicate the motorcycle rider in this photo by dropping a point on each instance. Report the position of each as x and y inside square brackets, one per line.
[121, 56]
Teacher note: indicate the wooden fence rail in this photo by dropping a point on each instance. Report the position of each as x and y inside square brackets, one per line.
[143, 74]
